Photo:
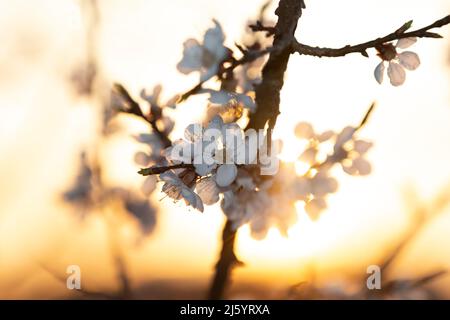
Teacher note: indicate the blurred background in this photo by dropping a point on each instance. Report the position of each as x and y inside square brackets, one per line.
[49, 116]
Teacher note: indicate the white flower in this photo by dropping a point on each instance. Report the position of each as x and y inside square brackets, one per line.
[208, 191]
[322, 184]
[206, 57]
[191, 148]
[355, 164]
[226, 173]
[175, 188]
[398, 62]
[349, 152]
[216, 150]
[149, 185]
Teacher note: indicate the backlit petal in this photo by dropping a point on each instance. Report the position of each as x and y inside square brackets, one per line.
[396, 74]
[226, 175]
[405, 42]
[410, 60]
[379, 72]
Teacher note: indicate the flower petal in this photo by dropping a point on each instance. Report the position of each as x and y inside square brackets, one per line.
[362, 146]
[309, 155]
[192, 57]
[323, 185]
[410, 60]
[344, 136]
[171, 178]
[216, 123]
[208, 191]
[362, 165]
[247, 101]
[406, 42]
[379, 72]
[149, 185]
[203, 169]
[192, 199]
[193, 132]
[314, 207]
[214, 38]
[396, 74]
[304, 130]
[327, 135]
[141, 158]
[209, 73]
[221, 97]
[226, 174]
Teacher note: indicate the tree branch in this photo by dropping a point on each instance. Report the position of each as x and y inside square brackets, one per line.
[259, 27]
[268, 91]
[268, 101]
[225, 264]
[158, 170]
[361, 48]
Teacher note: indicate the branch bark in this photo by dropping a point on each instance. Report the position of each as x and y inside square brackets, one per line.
[268, 91]
[268, 102]
[225, 264]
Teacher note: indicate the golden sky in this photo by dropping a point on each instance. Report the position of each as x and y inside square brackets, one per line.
[43, 127]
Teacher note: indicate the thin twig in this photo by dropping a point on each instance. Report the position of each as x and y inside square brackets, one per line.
[249, 56]
[362, 48]
[158, 170]
[259, 27]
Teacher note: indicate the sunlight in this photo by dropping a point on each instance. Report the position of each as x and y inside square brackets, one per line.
[305, 239]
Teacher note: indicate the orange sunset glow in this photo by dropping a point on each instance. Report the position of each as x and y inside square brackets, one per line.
[46, 124]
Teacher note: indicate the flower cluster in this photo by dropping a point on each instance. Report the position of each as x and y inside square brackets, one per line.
[347, 151]
[89, 193]
[216, 153]
[210, 59]
[246, 196]
[271, 202]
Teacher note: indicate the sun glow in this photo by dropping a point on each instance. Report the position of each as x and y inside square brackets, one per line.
[43, 130]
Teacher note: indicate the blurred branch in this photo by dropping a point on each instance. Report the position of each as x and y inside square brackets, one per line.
[86, 292]
[227, 261]
[422, 217]
[132, 107]
[361, 48]
[119, 262]
[366, 116]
